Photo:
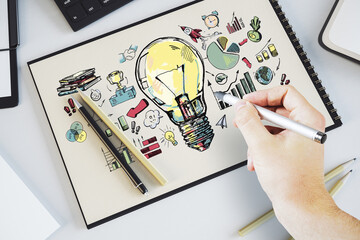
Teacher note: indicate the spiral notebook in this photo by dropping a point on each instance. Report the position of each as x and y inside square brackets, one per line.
[155, 80]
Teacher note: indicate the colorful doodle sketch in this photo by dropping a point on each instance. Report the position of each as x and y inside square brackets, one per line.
[95, 95]
[170, 72]
[82, 80]
[151, 147]
[168, 137]
[264, 75]
[235, 25]
[152, 119]
[122, 93]
[254, 35]
[220, 56]
[76, 133]
[211, 20]
[128, 54]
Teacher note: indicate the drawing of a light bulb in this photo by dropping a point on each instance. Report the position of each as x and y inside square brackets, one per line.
[170, 72]
[170, 136]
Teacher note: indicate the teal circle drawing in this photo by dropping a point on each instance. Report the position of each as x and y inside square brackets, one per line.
[77, 127]
[71, 135]
[264, 75]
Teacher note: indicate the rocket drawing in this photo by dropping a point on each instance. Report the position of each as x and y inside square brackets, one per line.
[193, 33]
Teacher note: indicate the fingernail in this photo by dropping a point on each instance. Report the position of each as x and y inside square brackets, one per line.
[241, 103]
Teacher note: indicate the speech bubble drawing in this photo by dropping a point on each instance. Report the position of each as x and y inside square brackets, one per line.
[152, 118]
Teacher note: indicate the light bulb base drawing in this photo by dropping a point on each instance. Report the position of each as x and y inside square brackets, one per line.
[197, 133]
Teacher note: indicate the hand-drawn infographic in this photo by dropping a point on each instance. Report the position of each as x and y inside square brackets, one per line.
[108, 132]
[76, 133]
[222, 122]
[221, 78]
[168, 137]
[151, 147]
[211, 20]
[220, 56]
[133, 112]
[152, 119]
[72, 108]
[95, 95]
[128, 54]
[283, 80]
[254, 35]
[264, 75]
[237, 88]
[124, 125]
[264, 54]
[111, 161]
[122, 93]
[135, 129]
[236, 25]
[82, 80]
[170, 72]
[195, 34]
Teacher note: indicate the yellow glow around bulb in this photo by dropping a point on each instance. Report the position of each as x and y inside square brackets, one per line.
[172, 69]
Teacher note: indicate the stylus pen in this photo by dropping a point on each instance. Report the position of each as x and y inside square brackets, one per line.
[119, 158]
[279, 120]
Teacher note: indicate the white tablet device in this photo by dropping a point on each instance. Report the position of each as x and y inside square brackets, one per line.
[340, 33]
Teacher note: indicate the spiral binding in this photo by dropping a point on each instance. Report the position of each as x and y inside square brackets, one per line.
[306, 62]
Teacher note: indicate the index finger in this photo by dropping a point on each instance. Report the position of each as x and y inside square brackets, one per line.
[288, 97]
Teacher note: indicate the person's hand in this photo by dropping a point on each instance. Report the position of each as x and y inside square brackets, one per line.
[281, 157]
[288, 165]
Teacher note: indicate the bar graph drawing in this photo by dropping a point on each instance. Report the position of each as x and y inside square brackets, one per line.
[235, 25]
[238, 89]
[112, 163]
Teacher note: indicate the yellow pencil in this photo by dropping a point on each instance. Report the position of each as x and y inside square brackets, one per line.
[147, 164]
[336, 188]
[336, 171]
[328, 176]
[339, 184]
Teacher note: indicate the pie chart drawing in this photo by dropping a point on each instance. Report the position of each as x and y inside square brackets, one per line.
[220, 56]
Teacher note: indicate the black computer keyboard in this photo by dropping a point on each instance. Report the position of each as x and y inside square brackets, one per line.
[80, 13]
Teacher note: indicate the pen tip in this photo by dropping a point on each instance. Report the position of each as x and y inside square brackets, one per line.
[219, 95]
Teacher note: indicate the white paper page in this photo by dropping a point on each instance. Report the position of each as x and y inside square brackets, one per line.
[344, 31]
[22, 215]
[5, 83]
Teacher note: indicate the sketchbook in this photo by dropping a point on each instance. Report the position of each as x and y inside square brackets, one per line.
[155, 80]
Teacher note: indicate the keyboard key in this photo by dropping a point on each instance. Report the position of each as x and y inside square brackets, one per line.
[80, 13]
[106, 2]
[91, 6]
[76, 12]
[68, 3]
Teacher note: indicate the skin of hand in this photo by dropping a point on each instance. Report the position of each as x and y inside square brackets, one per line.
[290, 167]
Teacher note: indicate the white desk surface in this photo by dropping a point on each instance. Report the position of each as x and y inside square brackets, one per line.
[213, 210]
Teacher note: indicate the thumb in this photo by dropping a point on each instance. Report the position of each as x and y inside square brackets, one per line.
[248, 121]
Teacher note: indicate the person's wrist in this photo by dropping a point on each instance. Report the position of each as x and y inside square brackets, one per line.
[309, 203]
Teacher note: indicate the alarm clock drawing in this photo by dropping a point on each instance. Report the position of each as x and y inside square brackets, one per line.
[211, 20]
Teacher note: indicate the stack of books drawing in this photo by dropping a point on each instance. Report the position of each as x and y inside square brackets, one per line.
[82, 80]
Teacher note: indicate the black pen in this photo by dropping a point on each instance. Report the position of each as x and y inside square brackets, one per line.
[119, 157]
